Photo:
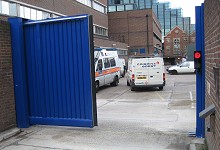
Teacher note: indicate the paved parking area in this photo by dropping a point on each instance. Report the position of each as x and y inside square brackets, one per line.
[146, 119]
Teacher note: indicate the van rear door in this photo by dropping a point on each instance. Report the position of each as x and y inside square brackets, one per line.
[155, 71]
[141, 71]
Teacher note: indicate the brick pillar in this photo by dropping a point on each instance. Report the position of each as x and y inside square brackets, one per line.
[7, 102]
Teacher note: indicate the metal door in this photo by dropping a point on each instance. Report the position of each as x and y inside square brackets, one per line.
[56, 74]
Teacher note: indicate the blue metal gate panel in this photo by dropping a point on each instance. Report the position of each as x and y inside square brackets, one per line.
[59, 69]
[200, 75]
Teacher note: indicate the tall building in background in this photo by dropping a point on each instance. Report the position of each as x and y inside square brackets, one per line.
[168, 17]
[140, 29]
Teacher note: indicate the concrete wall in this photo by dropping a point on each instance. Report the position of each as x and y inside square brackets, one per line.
[7, 102]
[212, 54]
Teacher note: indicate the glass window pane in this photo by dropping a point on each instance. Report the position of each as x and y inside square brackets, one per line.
[39, 15]
[33, 14]
[111, 8]
[22, 11]
[120, 8]
[126, 2]
[129, 7]
[27, 13]
[141, 4]
[46, 15]
[98, 7]
[5, 7]
[12, 9]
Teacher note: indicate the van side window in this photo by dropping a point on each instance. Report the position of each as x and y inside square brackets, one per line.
[112, 62]
[99, 65]
[106, 63]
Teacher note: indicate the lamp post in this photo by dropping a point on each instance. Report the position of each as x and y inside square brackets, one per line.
[148, 51]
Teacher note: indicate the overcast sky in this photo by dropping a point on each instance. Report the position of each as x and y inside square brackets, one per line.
[188, 7]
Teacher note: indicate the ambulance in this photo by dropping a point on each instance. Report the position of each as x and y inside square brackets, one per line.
[146, 72]
[107, 69]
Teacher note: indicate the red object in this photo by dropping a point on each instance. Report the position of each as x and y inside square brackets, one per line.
[197, 55]
[132, 77]
[164, 77]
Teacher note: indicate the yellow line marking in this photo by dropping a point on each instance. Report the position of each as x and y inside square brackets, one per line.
[160, 96]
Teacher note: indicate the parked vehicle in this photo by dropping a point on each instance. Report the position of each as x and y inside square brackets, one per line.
[122, 66]
[146, 72]
[185, 67]
[107, 69]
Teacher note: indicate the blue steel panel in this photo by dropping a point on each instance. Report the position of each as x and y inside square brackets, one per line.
[62, 66]
[200, 76]
[75, 68]
[19, 74]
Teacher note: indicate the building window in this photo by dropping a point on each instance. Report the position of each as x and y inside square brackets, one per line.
[117, 1]
[176, 31]
[185, 39]
[100, 31]
[168, 48]
[176, 44]
[122, 52]
[111, 8]
[86, 2]
[168, 40]
[120, 8]
[5, 8]
[99, 7]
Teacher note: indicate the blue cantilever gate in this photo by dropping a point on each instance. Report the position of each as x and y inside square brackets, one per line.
[53, 71]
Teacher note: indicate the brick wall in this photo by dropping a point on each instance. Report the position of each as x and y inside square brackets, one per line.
[131, 27]
[212, 54]
[169, 42]
[71, 7]
[7, 103]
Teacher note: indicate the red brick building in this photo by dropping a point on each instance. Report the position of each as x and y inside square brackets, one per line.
[140, 29]
[212, 65]
[176, 42]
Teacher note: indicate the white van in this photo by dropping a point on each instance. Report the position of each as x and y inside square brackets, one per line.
[146, 72]
[107, 70]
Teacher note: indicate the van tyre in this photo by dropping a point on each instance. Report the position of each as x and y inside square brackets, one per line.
[173, 72]
[128, 84]
[160, 88]
[115, 82]
[97, 86]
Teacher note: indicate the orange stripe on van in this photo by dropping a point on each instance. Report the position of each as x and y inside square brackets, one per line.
[108, 71]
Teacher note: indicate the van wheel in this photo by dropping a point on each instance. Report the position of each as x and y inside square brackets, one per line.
[115, 82]
[128, 84]
[173, 72]
[97, 86]
[160, 88]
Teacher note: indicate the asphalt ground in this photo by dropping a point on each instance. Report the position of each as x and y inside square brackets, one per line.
[146, 119]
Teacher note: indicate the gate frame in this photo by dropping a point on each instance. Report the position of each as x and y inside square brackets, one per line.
[200, 75]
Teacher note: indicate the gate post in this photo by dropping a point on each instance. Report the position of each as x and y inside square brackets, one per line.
[200, 75]
[19, 72]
